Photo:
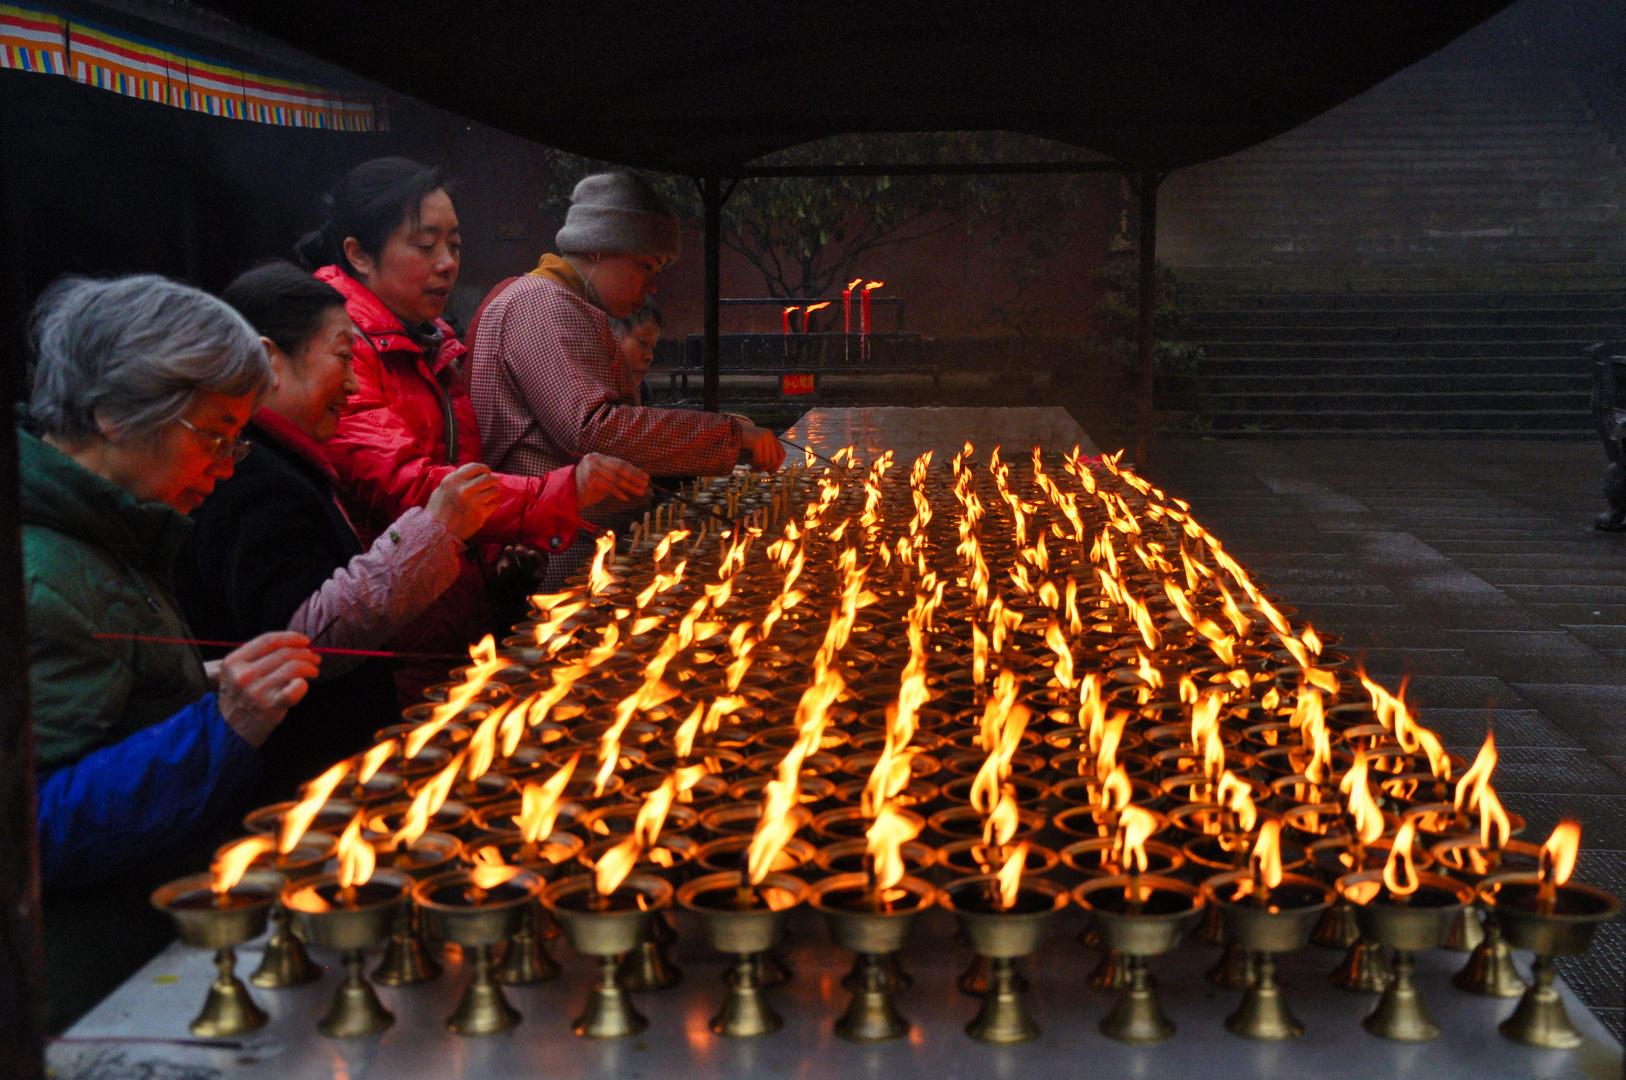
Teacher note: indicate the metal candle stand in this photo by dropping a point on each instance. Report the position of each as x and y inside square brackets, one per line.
[1105, 569]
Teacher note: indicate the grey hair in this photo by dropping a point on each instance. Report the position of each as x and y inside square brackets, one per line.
[133, 351]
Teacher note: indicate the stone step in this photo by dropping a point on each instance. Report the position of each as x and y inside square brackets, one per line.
[1401, 329]
[1448, 367]
[1318, 382]
[1554, 351]
[1316, 403]
[1558, 422]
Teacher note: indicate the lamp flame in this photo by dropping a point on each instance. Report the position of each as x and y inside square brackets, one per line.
[301, 814]
[1010, 876]
[1368, 818]
[1559, 852]
[356, 856]
[540, 803]
[884, 844]
[233, 862]
[1399, 872]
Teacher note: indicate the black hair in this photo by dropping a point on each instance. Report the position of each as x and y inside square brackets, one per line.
[282, 302]
[649, 313]
[375, 198]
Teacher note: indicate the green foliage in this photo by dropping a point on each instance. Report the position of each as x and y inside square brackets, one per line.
[1114, 339]
[809, 236]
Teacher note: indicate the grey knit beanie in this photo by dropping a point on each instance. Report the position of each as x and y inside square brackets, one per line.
[619, 212]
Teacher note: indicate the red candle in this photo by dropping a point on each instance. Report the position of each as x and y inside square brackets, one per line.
[787, 316]
[871, 287]
[807, 316]
[847, 305]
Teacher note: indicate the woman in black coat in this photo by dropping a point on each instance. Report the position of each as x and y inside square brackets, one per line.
[273, 548]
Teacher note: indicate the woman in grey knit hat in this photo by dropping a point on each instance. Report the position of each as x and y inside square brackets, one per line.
[546, 373]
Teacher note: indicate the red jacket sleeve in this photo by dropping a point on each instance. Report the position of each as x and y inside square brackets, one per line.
[388, 464]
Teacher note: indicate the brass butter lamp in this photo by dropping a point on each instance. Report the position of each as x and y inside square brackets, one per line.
[607, 925]
[221, 920]
[478, 909]
[744, 919]
[350, 920]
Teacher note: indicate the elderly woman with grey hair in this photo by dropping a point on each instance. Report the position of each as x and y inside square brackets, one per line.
[141, 386]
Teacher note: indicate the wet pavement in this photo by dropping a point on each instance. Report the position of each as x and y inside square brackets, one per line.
[1470, 570]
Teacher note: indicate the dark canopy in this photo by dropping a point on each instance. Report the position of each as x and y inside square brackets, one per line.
[702, 85]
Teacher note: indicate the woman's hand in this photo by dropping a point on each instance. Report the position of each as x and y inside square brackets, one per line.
[262, 680]
[599, 477]
[762, 446]
[465, 499]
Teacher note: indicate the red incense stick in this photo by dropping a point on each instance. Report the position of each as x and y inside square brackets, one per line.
[313, 648]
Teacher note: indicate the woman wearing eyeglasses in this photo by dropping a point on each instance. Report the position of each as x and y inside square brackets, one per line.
[141, 387]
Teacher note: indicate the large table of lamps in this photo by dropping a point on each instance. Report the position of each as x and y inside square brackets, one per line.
[896, 585]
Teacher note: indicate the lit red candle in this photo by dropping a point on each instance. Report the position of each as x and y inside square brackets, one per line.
[788, 312]
[847, 305]
[869, 288]
[807, 316]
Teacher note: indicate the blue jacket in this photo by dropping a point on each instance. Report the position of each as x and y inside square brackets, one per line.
[119, 806]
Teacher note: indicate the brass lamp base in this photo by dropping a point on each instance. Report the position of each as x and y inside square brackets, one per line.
[648, 967]
[1234, 970]
[1264, 1014]
[900, 979]
[1211, 931]
[1002, 1019]
[1109, 973]
[1364, 969]
[1137, 1017]
[1467, 931]
[871, 1016]
[228, 1010]
[407, 962]
[976, 978]
[482, 1010]
[285, 962]
[745, 1013]
[1337, 929]
[1541, 1019]
[1489, 972]
[356, 1011]
[1400, 1014]
[610, 1013]
[525, 962]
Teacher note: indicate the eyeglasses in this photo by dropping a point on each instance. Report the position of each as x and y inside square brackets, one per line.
[222, 447]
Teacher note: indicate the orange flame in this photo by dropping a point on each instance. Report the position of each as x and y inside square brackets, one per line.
[873, 285]
[1135, 827]
[615, 864]
[233, 862]
[1477, 777]
[373, 760]
[1368, 818]
[884, 844]
[1064, 656]
[1264, 862]
[1116, 791]
[1494, 826]
[774, 829]
[1010, 876]
[599, 578]
[483, 743]
[1003, 821]
[430, 798]
[1399, 872]
[488, 869]
[1236, 797]
[540, 803]
[1439, 762]
[301, 814]
[1112, 734]
[1559, 852]
[356, 856]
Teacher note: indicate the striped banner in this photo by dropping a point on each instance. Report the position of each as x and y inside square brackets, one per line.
[35, 40]
[32, 41]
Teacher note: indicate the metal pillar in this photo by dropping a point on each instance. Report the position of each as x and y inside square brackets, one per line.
[712, 195]
[1146, 189]
[22, 1043]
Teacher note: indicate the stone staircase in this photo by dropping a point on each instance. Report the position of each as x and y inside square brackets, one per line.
[1424, 363]
[1428, 258]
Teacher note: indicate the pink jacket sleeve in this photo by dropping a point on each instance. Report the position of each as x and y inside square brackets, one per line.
[382, 590]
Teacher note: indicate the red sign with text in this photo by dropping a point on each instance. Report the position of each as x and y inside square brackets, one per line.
[795, 384]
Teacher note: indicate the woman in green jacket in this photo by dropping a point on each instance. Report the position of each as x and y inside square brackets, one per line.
[141, 386]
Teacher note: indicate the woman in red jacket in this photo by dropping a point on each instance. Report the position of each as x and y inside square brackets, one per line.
[391, 247]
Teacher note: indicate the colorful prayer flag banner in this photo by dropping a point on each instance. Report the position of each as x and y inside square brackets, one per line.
[33, 39]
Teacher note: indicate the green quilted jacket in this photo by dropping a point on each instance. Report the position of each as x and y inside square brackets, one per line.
[97, 561]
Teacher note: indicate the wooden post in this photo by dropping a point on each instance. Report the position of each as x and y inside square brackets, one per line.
[1146, 188]
[711, 194]
[22, 1042]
